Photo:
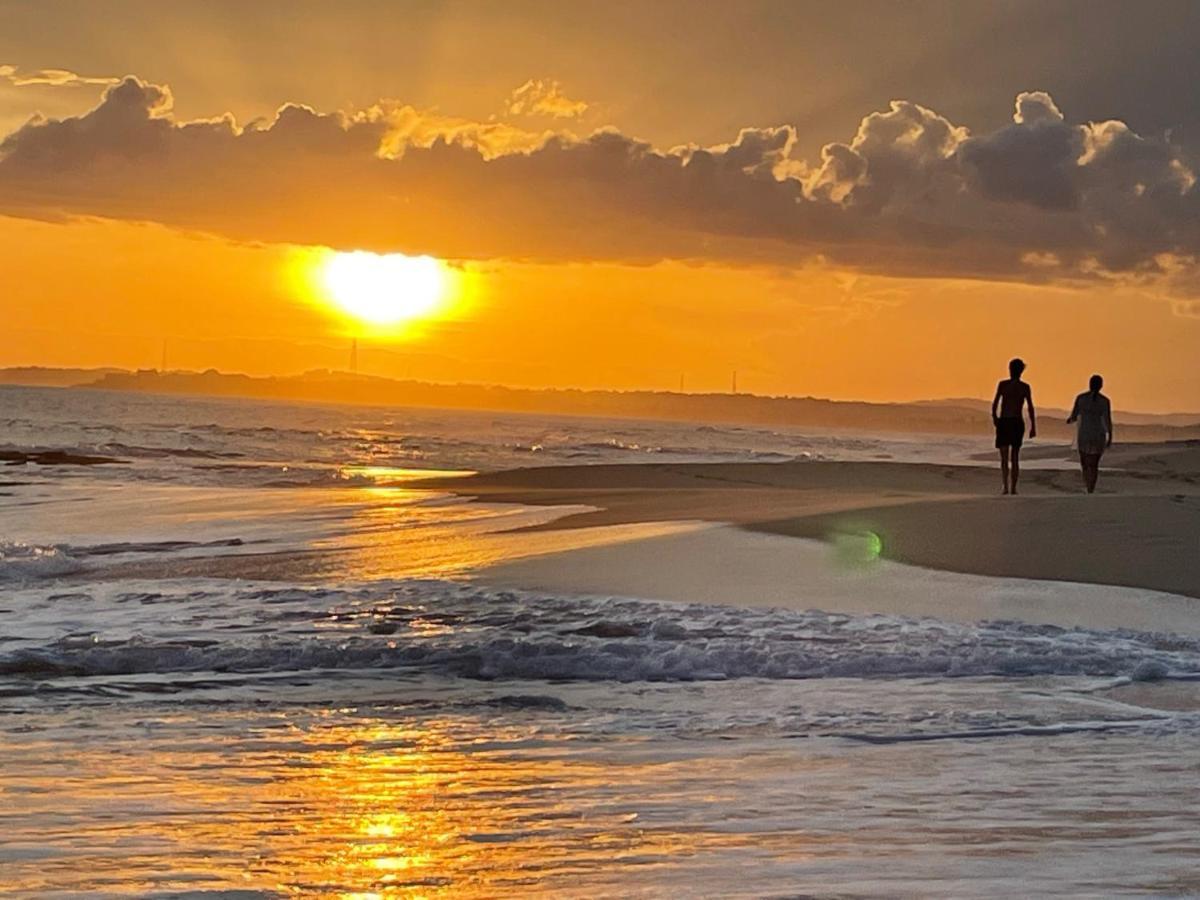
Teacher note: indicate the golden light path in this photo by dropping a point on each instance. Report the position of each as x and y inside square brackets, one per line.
[383, 291]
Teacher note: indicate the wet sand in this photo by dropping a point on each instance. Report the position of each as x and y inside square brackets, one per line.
[1141, 530]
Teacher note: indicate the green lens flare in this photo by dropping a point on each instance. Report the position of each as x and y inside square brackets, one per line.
[856, 548]
[874, 545]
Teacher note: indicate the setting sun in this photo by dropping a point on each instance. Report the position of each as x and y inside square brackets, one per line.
[384, 289]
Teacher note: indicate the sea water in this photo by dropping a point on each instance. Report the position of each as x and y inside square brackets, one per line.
[250, 660]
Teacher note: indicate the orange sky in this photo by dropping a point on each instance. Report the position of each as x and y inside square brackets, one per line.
[877, 270]
[105, 293]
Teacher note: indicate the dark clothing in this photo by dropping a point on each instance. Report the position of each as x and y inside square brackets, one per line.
[1010, 432]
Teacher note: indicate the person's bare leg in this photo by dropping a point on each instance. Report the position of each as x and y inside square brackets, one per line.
[1004, 467]
[1092, 473]
[1015, 468]
[1083, 468]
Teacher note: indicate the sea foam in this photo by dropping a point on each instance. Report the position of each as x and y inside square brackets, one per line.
[470, 631]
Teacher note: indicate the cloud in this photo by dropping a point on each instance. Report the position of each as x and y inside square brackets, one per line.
[896, 157]
[49, 78]
[538, 97]
[408, 126]
[1035, 160]
[911, 193]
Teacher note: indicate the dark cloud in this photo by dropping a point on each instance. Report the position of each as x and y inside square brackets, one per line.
[1034, 160]
[912, 193]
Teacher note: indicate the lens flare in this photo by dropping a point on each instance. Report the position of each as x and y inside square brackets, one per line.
[856, 549]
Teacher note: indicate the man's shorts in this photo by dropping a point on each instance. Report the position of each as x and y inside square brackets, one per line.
[1010, 432]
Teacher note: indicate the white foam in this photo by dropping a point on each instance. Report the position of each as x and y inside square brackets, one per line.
[451, 629]
[20, 561]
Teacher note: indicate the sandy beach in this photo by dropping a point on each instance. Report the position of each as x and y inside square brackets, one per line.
[602, 678]
[1141, 530]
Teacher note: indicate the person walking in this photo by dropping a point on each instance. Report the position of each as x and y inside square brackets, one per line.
[1093, 412]
[1007, 415]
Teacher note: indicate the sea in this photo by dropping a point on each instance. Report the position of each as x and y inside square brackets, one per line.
[252, 658]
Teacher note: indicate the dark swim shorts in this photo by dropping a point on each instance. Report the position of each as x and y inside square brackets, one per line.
[1010, 432]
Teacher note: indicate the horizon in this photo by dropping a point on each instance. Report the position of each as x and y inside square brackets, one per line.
[101, 371]
[516, 213]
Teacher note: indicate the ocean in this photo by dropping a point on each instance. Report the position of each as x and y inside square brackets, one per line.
[250, 660]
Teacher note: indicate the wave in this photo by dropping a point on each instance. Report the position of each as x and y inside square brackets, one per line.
[108, 452]
[121, 547]
[22, 562]
[585, 448]
[41, 456]
[1052, 730]
[475, 633]
[142, 452]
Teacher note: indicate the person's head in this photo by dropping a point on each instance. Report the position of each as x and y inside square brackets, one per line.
[1095, 383]
[1016, 367]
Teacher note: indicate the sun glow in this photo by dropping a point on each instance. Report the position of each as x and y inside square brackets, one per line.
[384, 289]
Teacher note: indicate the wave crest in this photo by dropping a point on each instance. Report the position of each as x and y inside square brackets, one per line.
[472, 632]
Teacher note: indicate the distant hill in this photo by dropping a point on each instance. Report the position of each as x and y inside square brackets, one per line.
[42, 376]
[1119, 416]
[965, 417]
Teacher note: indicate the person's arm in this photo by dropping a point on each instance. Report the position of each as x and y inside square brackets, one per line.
[995, 403]
[1032, 414]
[1074, 413]
[1108, 420]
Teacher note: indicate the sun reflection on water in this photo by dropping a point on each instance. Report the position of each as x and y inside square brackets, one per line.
[332, 808]
[390, 531]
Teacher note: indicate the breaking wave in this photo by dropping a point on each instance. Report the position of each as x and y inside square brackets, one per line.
[468, 631]
[22, 562]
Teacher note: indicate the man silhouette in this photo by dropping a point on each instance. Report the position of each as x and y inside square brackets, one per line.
[1011, 396]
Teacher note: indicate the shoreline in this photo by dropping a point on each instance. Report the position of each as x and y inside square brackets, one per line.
[1140, 531]
[731, 566]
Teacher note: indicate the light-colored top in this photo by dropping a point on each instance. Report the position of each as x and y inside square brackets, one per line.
[1094, 414]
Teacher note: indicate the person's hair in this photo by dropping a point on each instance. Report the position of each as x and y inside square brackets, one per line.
[1016, 367]
[1095, 383]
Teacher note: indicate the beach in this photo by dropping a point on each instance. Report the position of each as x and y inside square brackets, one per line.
[1141, 531]
[419, 652]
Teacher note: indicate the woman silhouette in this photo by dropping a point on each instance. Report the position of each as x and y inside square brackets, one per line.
[1094, 414]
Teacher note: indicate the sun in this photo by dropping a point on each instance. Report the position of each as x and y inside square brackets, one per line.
[384, 289]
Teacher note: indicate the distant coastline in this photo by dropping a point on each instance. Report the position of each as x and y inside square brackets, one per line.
[958, 416]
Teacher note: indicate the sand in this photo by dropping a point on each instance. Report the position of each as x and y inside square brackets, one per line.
[731, 566]
[1140, 531]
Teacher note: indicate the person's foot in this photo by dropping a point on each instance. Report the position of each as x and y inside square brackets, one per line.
[1005, 491]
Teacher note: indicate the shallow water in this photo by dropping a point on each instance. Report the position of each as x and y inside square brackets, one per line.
[427, 786]
[213, 682]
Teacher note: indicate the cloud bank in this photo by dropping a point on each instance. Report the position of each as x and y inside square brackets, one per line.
[911, 193]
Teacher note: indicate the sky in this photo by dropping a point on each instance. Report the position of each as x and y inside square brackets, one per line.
[881, 201]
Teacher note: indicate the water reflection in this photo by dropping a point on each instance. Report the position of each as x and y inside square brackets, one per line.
[152, 531]
[300, 807]
[397, 532]
[325, 787]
